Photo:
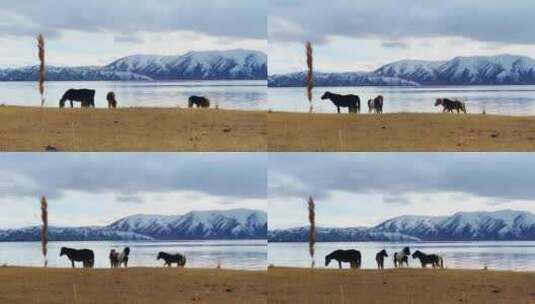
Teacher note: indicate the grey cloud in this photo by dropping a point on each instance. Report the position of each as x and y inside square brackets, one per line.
[232, 18]
[497, 177]
[394, 45]
[126, 174]
[481, 20]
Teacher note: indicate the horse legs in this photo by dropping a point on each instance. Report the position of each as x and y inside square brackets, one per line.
[339, 264]
[338, 108]
[72, 105]
[72, 262]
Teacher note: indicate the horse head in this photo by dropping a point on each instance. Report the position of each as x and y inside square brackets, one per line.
[406, 251]
[327, 260]
[326, 95]
[383, 253]
[416, 254]
[126, 251]
[161, 255]
[63, 251]
[438, 102]
[62, 103]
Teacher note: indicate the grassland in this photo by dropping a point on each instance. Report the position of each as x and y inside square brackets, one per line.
[133, 285]
[408, 286]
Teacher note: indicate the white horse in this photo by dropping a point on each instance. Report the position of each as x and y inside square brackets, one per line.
[401, 257]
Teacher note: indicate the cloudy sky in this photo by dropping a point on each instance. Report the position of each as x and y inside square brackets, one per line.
[95, 189]
[364, 189]
[351, 35]
[99, 31]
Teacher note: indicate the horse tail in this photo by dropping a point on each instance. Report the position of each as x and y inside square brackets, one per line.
[395, 259]
[441, 262]
[463, 107]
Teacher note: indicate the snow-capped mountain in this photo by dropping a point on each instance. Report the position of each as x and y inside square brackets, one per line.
[462, 226]
[236, 64]
[337, 80]
[195, 225]
[478, 70]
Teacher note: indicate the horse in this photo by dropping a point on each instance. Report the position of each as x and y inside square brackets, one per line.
[86, 256]
[435, 260]
[347, 256]
[177, 258]
[352, 102]
[84, 96]
[117, 259]
[199, 101]
[450, 105]
[380, 258]
[376, 104]
[401, 257]
[112, 102]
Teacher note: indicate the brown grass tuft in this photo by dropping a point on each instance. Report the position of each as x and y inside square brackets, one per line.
[44, 228]
[310, 74]
[312, 231]
[42, 72]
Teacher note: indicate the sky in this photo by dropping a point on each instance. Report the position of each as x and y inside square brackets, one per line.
[97, 189]
[100, 31]
[364, 189]
[362, 35]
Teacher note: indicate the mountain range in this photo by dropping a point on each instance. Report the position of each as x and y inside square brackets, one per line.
[478, 70]
[504, 225]
[194, 225]
[238, 64]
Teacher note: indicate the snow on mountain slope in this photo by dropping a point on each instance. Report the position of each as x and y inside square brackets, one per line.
[477, 70]
[461, 226]
[196, 225]
[236, 64]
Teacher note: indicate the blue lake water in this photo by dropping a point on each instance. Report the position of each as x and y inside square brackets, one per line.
[225, 94]
[241, 254]
[517, 256]
[504, 100]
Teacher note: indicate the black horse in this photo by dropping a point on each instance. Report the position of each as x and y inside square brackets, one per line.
[177, 258]
[86, 256]
[450, 105]
[425, 259]
[199, 101]
[352, 102]
[84, 96]
[376, 104]
[380, 258]
[112, 102]
[347, 256]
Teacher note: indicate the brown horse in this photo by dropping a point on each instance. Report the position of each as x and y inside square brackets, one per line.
[450, 105]
[112, 102]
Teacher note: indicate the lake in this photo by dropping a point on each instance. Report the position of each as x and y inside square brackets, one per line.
[244, 95]
[518, 256]
[239, 254]
[504, 100]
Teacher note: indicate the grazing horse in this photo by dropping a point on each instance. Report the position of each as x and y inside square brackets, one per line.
[376, 104]
[401, 257]
[199, 101]
[86, 256]
[84, 96]
[117, 259]
[380, 258]
[177, 258]
[347, 256]
[352, 102]
[112, 102]
[450, 105]
[435, 260]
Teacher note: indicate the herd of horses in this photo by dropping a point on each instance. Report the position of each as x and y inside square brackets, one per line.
[400, 258]
[117, 259]
[86, 98]
[352, 102]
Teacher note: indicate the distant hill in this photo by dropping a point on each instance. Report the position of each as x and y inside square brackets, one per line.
[505, 225]
[236, 64]
[195, 225]
[477, 70]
